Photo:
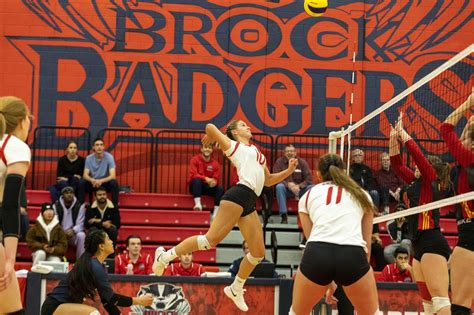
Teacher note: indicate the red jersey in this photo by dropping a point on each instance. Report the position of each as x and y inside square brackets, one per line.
[464, 157]
[201, 168]
[176, 269]
[391, 274]
[141, 267]
[429, 219]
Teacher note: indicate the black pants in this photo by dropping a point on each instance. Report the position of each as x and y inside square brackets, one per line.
[111, 187]
[198, 188]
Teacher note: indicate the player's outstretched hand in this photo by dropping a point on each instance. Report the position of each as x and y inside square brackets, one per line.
[206, 140]
[292, 164]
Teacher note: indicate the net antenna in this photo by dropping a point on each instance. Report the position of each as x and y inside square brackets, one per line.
[346, 138]
[425, 106]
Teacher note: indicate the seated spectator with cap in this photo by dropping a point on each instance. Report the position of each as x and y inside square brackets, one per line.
[103, 215]
[46, 239]
[185, 267]
[71, 214]
[139, 262]
[400, 271]
[69, 172]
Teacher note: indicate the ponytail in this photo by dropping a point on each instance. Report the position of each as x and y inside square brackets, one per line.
[81, 281]
[12, 111]
[331, 168]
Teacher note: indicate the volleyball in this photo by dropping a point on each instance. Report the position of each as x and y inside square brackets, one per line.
[315, 7]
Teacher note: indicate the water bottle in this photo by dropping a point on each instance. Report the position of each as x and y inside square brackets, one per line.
[129, 269]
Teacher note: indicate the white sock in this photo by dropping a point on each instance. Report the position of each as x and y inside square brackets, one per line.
[238, 284]
[197, 202]
[216, 208]
[169, 255]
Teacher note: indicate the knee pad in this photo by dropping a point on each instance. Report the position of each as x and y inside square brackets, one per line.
[424, 293]
[428, 308]
[203, 243]
[460, 310]
[254, 261]
[440, 302]
[291, 312]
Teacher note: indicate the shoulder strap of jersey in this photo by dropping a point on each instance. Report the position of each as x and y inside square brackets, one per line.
[2, 149]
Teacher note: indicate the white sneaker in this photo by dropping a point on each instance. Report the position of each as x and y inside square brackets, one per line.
[158, 265]
[197, 207]
[237, 297]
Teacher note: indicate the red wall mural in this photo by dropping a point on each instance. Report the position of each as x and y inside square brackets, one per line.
[180, 64]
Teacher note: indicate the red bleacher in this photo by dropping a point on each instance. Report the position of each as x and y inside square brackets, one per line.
[168, 219]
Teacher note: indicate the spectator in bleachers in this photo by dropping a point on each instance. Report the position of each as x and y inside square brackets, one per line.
[185, 267]
[400, 270]
[71, 214]
[140, 263]
[46, 239]
[398, 231]
[234, 268]
[294, 185]
[376, 250]
[69, 172]
[103, 215]
[204, 178]
[362, 174]
[99, 171]
[388, 182]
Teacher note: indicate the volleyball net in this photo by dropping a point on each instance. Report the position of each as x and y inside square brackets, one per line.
[445, 91]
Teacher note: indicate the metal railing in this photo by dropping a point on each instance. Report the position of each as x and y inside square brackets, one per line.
[49, 144]
[133, 153]
[160, 163]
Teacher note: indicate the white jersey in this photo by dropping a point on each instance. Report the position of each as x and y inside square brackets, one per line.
[250, 164]
[336, 216]
[12, 150]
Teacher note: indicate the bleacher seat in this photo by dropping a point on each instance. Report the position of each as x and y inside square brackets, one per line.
[161, 201]
[37, 197]
[155, 234]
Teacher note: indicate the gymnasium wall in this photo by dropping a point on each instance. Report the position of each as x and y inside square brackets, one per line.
[179, 64]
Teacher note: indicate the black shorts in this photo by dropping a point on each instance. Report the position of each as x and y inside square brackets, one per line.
[431, 241]
[466, 236]
[323, 263]
[243, 196]
[49, 306]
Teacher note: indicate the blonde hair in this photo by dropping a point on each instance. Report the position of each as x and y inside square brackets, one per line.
[331, 168]
[12, 111]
